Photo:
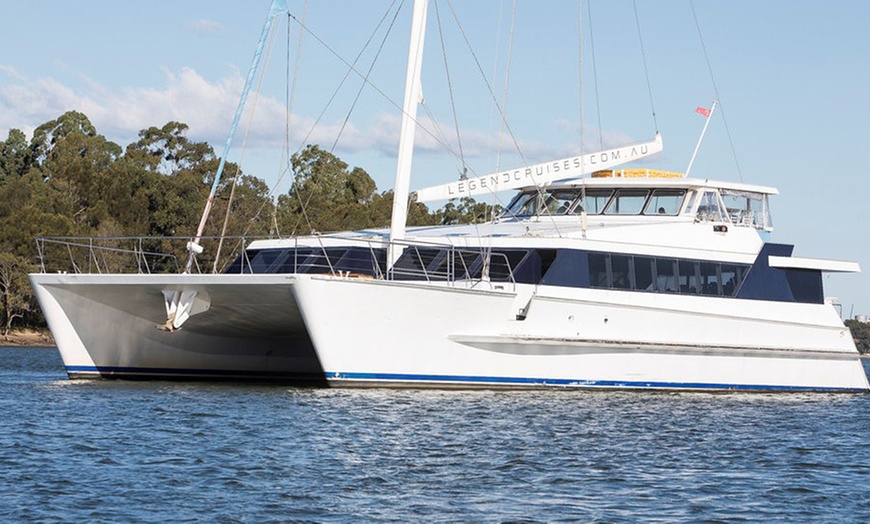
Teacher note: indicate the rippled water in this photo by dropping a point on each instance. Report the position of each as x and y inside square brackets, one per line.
[100, 451]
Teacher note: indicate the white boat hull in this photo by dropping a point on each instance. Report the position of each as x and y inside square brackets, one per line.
[111, 326]
[405, 334]
[364, 332]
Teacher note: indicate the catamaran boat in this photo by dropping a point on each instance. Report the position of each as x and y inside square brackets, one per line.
[594, 276]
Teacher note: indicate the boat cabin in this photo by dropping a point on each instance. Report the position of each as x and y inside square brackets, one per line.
[657, 194]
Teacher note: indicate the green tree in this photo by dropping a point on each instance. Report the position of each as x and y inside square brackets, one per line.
[326, 196]
[466, 211]
[861, 334]
[16, 296]
[47, 136]
[14, 155]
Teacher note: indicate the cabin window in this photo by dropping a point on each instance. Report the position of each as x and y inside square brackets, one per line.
[595, 200]
[665, 202]
[711, 283]
[643, 273]
[525, 204]
[627, 202]
[746, 207]
[690, 276]
[690, 202]
[708, 208]
[664, 275]
[731, 277]
[598, 270]
[560, 201]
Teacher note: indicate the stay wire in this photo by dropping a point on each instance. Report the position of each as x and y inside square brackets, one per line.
[365, 79]
[450, 88]
[495, 101]
[351, 69]
[645, 68]
[594, 72]
[716, 91]
[238, 173]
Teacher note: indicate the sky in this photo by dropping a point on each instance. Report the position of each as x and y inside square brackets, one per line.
[791, 78]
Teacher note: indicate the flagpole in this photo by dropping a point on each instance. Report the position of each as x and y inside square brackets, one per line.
[698, 145]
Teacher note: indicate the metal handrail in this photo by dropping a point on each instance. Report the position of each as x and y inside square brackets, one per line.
[101, 254]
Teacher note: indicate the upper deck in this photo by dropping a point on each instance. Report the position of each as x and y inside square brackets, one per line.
[644, 196]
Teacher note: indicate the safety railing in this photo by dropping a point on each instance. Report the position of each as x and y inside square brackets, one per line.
[353, 256]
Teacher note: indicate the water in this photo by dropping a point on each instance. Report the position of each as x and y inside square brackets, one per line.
[111, 451]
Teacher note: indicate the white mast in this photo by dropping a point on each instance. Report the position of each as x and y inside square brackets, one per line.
[413, 95]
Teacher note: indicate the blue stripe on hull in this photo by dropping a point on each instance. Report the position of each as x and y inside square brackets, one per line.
[412, 380]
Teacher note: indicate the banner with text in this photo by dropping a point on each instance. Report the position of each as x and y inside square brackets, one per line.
[541, 174]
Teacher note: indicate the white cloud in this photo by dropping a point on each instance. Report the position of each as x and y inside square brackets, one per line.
[205, 27]
[207, 107]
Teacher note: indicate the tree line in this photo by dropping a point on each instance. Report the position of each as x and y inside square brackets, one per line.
[69, 180]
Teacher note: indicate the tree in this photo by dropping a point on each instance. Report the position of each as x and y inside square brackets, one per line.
[14, 154]
[46, 136]
[16, 297]
[861, 334]
[168, 151]
[467, 211]
[326, 196]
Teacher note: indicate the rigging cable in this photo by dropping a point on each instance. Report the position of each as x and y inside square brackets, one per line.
[645, 68]
[290, 102]
[365, 78]
[351, 69]
[238, 173]
[594, 69]
[580, 105]
[495, 101]
[716, 90]
[450, 88]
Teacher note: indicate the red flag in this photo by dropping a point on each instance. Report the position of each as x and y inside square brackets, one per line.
[703, 110]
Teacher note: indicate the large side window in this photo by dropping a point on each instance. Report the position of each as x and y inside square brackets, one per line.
[594, 201]
[598, 269]
[665, 202]
[666, 275]
[643, 273]
[620, 272]
[627, 202]
[732, 276]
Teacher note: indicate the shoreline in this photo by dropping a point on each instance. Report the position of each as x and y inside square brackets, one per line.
[28, 338]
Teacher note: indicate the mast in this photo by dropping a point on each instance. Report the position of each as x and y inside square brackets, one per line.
[278, 7]
[413, 94]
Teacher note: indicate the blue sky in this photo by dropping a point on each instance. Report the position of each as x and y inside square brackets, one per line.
[792, 78]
